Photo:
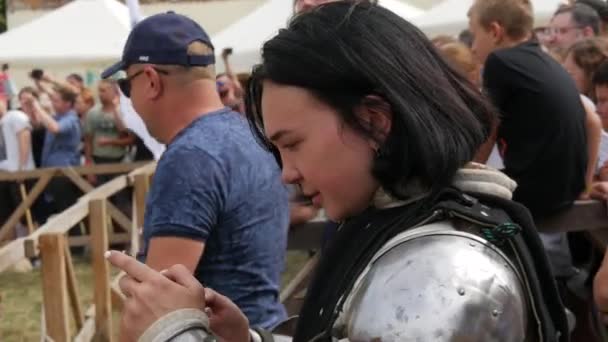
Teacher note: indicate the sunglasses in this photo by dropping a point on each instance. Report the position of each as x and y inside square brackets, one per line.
[125, 83]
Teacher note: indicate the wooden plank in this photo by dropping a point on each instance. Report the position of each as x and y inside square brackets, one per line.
[73, 289]
[118, 298]
[28, 212]
[85, 187]
[54, 287]
[582, 216]
[147, 170]
[11, 253]
[25, 205]
[87, 332]
[140, 190]
[58, 224]
[74, 214]
[103, 169]
[101, 270]
[85, 240]
[300, 280]
[108, 189]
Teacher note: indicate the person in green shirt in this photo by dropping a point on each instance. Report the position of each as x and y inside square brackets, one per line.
[106, 136]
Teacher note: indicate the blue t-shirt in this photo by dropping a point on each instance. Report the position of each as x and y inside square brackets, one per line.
[216, 184]
[62, 148]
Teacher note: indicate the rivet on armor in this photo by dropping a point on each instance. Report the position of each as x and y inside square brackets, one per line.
[461, 291]
[495, 313]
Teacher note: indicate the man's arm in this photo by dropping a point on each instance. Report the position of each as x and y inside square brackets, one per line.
[127, 139]
[184, 204]
[118, 121]
[57, 83]
[24, 137]
[53, 125]
[164, 252]
[46, 119]
[88, 148]
[593, 125]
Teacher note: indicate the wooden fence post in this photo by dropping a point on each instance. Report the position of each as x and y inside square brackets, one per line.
[54, 286]
[98, 224]
[140, 185]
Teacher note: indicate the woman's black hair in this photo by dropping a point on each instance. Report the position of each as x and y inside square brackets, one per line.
[343, 53]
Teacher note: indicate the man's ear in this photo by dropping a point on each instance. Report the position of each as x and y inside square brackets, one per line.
[588, 31]
[497, 32]
[155, 87]
[376, 115]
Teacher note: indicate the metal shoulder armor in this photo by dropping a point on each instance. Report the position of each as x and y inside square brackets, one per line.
[437, 283]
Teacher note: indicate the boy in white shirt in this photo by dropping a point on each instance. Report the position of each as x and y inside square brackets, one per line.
[15, 155]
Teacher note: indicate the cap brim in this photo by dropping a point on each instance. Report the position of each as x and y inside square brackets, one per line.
[113, 69]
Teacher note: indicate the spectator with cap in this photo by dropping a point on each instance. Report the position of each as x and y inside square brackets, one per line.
[601, 7]
[570, 24]
[217, 204]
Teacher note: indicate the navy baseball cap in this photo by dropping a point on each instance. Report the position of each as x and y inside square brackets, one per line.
[163, 39]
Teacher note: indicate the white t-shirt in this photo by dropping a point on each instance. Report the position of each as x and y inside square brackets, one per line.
[11, 124]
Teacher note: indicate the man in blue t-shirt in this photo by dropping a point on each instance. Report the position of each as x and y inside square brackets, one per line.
[217, 204]
[61, 148]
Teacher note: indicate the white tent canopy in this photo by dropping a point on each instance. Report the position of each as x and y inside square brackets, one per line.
[249, 34]
[83, 32]
[450, 16]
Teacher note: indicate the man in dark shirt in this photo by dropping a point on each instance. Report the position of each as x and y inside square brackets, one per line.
[541, 135]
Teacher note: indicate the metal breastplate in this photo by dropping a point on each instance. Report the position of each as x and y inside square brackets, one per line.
[437, 283]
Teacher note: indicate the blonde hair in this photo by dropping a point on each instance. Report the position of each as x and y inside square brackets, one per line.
[589, 54]
[189, 74]
[461, 58]
[515, 16]
[87, 96]
[443, 39]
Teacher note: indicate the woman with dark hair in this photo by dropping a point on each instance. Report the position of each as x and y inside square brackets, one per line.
[372, 124]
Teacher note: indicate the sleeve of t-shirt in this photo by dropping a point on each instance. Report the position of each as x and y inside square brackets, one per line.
[187, 195]
[68, 124]
[20, 122]
[495, 78]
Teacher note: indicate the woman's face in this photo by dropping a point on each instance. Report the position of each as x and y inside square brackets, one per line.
[577, 74]
[25, 101]
[81, 106]
[329, 160]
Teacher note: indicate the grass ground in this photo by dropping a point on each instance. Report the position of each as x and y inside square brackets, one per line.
[22, 298]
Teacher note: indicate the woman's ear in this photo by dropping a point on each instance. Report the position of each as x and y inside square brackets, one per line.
[375, 115]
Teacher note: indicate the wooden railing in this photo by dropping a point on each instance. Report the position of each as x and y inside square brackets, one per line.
[44, 176]
[61, 299]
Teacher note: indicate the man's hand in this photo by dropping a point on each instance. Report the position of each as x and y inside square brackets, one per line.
[599, 191]
[226, 52]
[151, 295]
[104, 141]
